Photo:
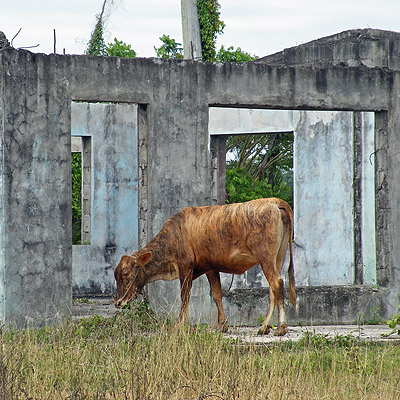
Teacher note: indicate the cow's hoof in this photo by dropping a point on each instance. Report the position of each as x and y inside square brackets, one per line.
[223, 328]
[281, 331]
[264, 330]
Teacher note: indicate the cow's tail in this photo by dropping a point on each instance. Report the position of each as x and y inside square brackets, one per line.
[292, 282]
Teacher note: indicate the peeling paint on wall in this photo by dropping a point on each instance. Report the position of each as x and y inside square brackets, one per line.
[114, 192]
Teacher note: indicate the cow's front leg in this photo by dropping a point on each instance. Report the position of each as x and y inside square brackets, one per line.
[216, 293]
[186, 280]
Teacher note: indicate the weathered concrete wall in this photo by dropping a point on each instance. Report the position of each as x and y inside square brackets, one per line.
[315, 305]
[36, 96]
[369, 47]
[35, 205]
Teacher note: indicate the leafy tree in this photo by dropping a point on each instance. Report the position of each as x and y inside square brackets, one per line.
[97, 45]
[169, 49]
[267, 161]
[264, 156]
[241, 186]
[120, 49]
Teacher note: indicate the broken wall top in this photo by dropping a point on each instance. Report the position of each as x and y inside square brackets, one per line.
[353, 48]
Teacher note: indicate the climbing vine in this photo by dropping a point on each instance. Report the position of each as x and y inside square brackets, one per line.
[210, 26]
[97, 46]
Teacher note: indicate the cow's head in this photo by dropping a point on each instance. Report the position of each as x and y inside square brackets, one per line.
[131, 277]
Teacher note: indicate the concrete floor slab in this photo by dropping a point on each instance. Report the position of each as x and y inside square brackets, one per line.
[104, 306]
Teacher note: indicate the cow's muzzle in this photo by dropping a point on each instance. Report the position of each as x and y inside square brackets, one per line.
[125, 299]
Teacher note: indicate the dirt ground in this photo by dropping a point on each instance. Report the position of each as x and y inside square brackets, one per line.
[104, 306]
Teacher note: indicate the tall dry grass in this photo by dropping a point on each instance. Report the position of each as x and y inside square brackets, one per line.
[136, 356]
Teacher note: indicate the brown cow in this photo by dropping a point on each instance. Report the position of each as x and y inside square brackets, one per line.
[208, 240]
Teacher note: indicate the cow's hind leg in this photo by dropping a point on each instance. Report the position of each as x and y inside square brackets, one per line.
[282, 322]
[216, 293]
[276, 297]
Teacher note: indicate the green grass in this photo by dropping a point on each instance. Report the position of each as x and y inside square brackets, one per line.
[136, 355]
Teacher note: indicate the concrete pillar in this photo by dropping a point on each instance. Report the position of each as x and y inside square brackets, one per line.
[35, 192]
[191, 30]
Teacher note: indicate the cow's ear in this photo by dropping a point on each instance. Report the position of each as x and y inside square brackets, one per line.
[144, 258]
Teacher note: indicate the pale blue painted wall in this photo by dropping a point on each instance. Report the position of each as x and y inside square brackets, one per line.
[114, 192]
[323, 198]
[368, 196]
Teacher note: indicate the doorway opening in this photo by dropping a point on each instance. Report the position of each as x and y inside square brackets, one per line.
[107, 145]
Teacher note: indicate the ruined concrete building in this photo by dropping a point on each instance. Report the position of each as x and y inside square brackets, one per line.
[151, 133]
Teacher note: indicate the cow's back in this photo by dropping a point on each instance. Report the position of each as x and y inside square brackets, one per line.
[232, 238]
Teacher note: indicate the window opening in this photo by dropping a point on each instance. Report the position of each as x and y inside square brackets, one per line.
[259, 165]
[81, 189]
[76, 177]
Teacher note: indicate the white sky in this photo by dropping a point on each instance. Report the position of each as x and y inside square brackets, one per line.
[259, 27]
